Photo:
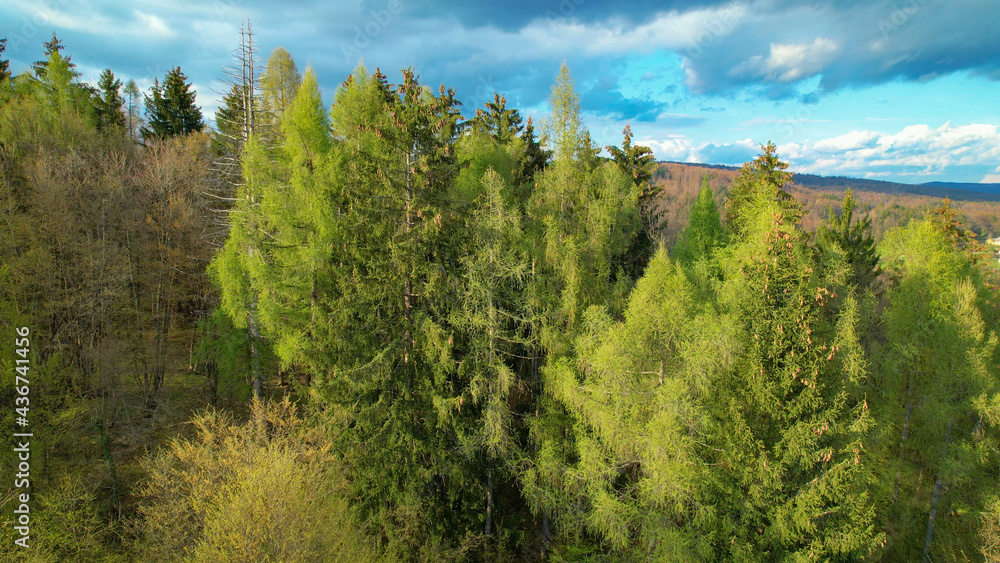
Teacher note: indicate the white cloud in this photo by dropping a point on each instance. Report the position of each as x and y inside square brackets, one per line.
[547, 37]
[675, 147]
[915, 150]
[790, 62]
[848, 141]
[150, 25]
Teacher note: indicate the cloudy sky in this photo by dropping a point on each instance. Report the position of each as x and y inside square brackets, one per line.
[902, 90]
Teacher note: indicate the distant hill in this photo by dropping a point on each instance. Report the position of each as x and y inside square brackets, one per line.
[888, 204]
[957, 191]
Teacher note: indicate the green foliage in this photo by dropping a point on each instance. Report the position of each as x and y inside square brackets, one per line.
[761, 180]
[704, 233]
[854, 239]
[171, 109]
[265, 490]
[5, 74]
[632, 475]
[938, 393]
[53, 46]
[790, 473]
[498, 121]
[108, 104]
[279, 84]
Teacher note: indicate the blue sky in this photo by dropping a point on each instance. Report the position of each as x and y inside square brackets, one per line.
[902, 90]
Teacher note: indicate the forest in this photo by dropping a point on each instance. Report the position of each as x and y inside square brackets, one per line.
[400, 329]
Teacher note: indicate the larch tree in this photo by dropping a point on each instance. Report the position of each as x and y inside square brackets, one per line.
[938, 395]
[704, 233]
[278, 83]
[133, 109]
[583, 217]
[633, 390]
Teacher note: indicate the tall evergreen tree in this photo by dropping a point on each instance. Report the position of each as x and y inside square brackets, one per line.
[937, 394]
[499, 121]
[53, 45]
[390, 358]
[171, 109]
[4, 63]
[790, 471]
[762, 179]
[637, 162]
[854, 238]
[704, 232]
[108, 104]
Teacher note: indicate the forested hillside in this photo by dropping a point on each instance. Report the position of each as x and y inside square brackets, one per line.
[402, 329]
[886, 204]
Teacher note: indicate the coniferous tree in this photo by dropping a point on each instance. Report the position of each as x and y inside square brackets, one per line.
[58, 86]
[854, 238]
[229, 122]
[498, 121]
[279, 84]
[704, 233]
[762, 179]
[636, 481]
[108, 103]
[390, 344]
[133, 109]
[170, 107]
[583, 218]
[53, 45]
[4, 64]
[637, 162]
[790, 471]
[937, 393]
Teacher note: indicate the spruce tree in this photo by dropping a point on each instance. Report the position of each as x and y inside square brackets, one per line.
[391, 353]
[108, 103]
[498, 121]
[170, 107]
[854, 238]
[53, 45]
[4, 63]
[762, 179]
[637, 162]
[788, 449]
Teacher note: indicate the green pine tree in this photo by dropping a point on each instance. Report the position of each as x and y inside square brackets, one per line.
[170, 107]
[761, 180]
[704, 233]
[108, 104]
